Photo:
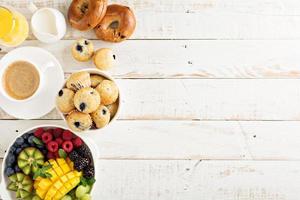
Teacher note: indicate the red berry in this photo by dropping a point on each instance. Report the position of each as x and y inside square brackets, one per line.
[52, 146]
[67, 146]
[67, 135]
[38, 132]
[46, 137]
[50, 130]
[57, 132]
[59, 141]
[77, 142]
[56, 154]
[50, 155]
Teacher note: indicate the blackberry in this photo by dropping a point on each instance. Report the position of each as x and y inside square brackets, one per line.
[81, 163]
[84, 151]
[74, 156]
[89, 172]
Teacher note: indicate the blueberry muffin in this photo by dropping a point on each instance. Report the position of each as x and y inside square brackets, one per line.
[113, 108]
[96, 79]
[78, 80]
[79, 121]
[101, 116]
[108, 91]
[82, 50]
[64, 100]
[87, 100]
[104, 59]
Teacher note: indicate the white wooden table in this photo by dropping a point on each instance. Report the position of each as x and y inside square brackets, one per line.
[211, 106]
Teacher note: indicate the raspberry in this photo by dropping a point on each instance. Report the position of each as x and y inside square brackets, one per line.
[50, 130]
[59, 141]
[67, 135]
[52, 146]
[38, 132]
[50, 155]
[57, 132]
[77, 142]
[67, 146]
[46, 137]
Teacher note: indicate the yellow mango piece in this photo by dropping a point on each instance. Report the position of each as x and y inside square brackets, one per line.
[41, 193]
[77, 173]
[44, 184]
[70, 163]
[68, 186]
[54, 176]
[63, 190]
[75, 181]
[60, 161]
[59, 171]
[71, 175]
[51, 192]
[64, 178]
[58, 195]
[58, 184]
[53, 163]
[65, 167]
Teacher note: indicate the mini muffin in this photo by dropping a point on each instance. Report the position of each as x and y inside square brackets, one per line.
[64, 100]
[87, 100]
[79, 80]
[104, 59]
[96, 79]
[108, 91]
[101, 116]
[78, 121]
[113, 108]
[82, 50]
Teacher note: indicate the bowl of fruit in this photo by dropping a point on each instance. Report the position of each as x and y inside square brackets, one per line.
[49, 162]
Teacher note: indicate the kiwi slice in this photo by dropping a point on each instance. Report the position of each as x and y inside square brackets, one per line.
[21, 184]
[30, 159]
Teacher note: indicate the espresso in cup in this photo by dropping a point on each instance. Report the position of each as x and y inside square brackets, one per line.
[21, 80]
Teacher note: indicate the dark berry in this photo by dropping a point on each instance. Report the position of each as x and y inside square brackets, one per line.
[89, 172]
[26, 136]
[9, 171]
[84, 151]
[46, 137]
[24, 145]
[19, 141]
[81, 163]
[12, 149]
[30, 140]
[82, 106]
[60, 93]
[79, 48]
[74, 156]
[18, 150]
[67, 135]
[11, 159]
[17, 169]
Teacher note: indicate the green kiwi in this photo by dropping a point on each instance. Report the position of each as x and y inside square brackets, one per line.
[21, 184]
[30, 159]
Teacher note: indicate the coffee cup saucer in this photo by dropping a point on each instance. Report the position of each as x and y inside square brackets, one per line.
[44, 101]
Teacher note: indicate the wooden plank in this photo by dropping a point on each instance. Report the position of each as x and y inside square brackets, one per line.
[206, 99]
[200, 19]
[190, 59]
[189, 180]
[184, 139]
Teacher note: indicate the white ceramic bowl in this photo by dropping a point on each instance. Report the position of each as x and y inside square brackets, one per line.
[10, 195]
[101, 73]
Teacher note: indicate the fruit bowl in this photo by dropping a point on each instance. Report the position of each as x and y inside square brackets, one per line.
[77, 106]
[49, 161]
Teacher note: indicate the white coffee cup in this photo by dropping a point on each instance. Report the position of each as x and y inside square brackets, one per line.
[40, 69]
[48, 24]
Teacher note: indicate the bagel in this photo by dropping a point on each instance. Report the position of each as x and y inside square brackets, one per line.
[86, 14]
[117, 25]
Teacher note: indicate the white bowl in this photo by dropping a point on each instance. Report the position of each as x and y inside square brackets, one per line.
[101, 73]
[10, 195]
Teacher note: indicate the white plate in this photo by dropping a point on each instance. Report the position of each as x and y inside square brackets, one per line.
[44, 102]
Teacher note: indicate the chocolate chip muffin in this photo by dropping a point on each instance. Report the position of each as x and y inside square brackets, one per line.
[108, 91]
[64, 100]
[87, 100]
[101, 116]
[78, 80]
[82, 50]
[79, 121]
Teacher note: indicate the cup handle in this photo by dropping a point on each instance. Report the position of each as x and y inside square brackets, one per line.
[32, 7]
